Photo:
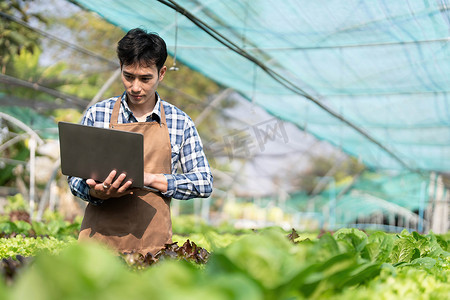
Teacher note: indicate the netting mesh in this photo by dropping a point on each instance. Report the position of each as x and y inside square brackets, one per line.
[43, 126]
[398, 196]
[383, 66]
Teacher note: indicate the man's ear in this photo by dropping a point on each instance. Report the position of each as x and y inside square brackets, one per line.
[162, 72]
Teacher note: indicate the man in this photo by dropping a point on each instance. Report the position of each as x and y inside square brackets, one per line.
[131, 219]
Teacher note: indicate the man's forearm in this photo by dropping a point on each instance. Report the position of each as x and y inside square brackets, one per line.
[80, 189]
[189, 185]
[157, 181]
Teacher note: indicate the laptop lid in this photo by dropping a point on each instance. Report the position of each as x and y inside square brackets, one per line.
[92, 152]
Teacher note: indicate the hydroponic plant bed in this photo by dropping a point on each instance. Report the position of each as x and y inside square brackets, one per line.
[262, 264]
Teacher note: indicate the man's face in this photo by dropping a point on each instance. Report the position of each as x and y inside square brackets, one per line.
[141, 82]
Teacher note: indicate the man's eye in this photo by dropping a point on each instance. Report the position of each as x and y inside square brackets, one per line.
[146, 79]
[129, 77]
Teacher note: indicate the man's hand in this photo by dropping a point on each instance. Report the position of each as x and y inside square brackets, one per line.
[108, 188]
[157, 181]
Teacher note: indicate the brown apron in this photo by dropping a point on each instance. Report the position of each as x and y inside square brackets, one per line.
[139, 222]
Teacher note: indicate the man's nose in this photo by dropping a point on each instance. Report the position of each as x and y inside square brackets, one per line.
[136, 86]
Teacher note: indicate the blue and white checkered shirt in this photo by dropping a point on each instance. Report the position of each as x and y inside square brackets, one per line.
[187, 149]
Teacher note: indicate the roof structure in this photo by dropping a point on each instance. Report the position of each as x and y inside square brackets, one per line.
[371, 77]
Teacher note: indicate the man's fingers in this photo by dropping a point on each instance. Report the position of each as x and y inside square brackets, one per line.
[109, 188]
[125, 187]
[109, 179]
[117, 183]
[91, 183]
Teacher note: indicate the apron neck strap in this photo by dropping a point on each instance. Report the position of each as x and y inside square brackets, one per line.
[116, 109]
[115, 112]
[163, 114]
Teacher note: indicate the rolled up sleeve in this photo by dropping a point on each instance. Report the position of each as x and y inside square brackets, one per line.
[195, 180]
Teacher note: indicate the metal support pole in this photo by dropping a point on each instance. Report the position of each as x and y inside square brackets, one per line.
[421, 207]
[206, 203]
[438, 220]
[332, 203]
[32, 146]
[47, 191]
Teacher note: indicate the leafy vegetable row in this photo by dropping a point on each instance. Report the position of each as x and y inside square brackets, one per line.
[259, 265]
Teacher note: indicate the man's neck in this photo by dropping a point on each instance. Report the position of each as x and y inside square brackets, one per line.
[143, 110]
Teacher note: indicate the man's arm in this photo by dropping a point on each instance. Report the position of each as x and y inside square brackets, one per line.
[157, 181]
[80, 189]
[196, 180]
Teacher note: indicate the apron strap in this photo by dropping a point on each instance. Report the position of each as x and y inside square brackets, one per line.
[163, 114]
[116, 109]
[115, 113]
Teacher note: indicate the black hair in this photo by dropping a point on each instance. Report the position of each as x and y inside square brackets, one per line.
[138, 46]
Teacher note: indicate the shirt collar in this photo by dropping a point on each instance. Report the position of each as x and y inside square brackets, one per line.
[154, 116]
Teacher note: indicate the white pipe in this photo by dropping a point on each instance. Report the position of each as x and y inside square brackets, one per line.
[23, 126]
[32, 146]
[47, 192]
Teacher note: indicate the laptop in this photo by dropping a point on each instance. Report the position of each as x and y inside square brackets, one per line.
[92, 152]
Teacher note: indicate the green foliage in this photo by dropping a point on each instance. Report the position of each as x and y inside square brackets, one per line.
[53, 228]
[411, 283]
[18, 227]
[13, 36]
[195, 88]
[15, 203]
[18, 152]
[94, 34]
[204, 235]
[25, 65]
[379, 247]
[260, 265]
[53, 225]
[210, 239]
[81, 272]
[26, 246]
[188, 224]
[88, 271]
[321, 165]
[408, 248]
[351, 239]
[56, 228]
[67, 115]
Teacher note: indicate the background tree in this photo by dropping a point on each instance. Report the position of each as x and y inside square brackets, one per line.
[339, 168]
[13, 36]
[185, 88]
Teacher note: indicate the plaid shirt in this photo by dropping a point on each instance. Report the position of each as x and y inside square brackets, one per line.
[187, 150]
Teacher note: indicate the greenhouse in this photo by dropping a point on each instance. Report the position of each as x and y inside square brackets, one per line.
[369, 78]
[330, 119]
